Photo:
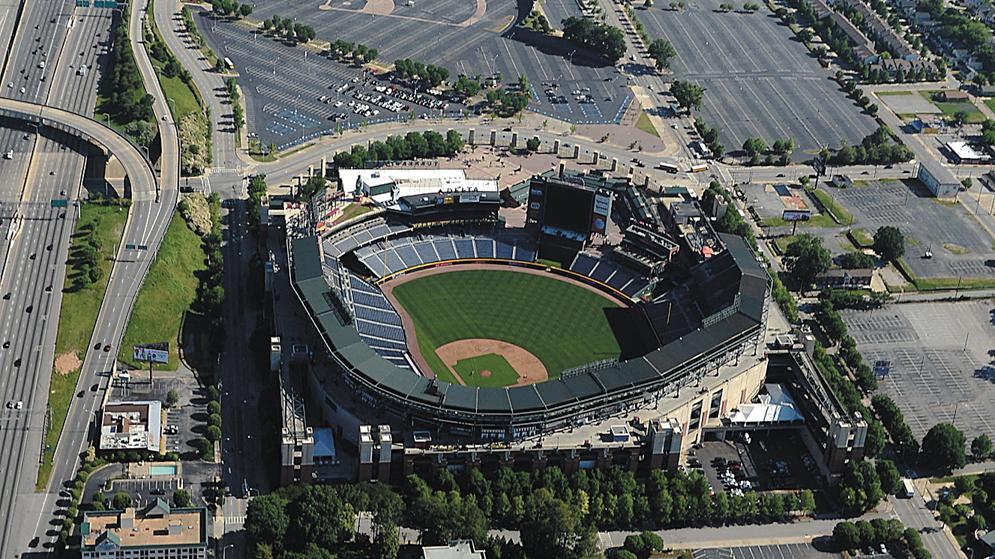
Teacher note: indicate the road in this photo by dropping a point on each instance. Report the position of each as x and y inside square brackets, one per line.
[226, 160]
[45, 164]
[914, 514]
[153, 198]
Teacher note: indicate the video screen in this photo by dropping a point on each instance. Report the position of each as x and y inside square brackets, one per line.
[568, 208]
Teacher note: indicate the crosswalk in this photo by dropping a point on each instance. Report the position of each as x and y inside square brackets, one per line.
[234, 520]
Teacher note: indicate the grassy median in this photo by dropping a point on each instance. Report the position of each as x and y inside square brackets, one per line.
[169, 290]
[99, 225]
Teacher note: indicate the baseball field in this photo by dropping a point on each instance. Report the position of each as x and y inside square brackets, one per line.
[491, 327]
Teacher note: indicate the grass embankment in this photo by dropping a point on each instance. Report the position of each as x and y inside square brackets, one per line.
[169, 290]
[562, 324]
[78, 315]
[839, 213]
[941, 283]
[645, 124]
[182, 94]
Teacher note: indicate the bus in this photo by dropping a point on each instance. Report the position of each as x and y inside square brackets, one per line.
[229, 65]
[908, 489]
[669, 167]
[699, 168]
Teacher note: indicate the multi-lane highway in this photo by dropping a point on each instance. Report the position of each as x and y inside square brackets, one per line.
[153, 200]
[54, 42]
[45, 164]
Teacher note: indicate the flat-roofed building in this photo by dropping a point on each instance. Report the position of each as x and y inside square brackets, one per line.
[131, 426]
[462, 549]
[157, 531]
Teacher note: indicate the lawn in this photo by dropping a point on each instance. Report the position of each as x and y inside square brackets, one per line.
[501, 372]
[861, 237]
[182, 96]
[949, 108]
[351, 211]
[169, 289]
[78, 315]
[645, 124]
[833, 207]
[562, 324]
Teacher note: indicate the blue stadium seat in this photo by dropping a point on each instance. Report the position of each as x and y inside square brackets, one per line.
[504, 250]
[445, 249]
[485, 248]
[464, 248]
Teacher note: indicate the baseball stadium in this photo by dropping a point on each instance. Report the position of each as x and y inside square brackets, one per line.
[437, 313]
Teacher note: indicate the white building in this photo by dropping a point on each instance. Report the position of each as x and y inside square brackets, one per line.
[386, 186]
[154, 532]
[963, 152]
[131, 426]
[462, 549]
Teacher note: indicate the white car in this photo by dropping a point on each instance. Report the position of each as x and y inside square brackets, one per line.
[22, 89]
[18, 405]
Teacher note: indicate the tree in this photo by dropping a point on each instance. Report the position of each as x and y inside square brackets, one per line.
[319, 515]
[266, 519]
[181, 499]
[121, 501]
[603, 39]
[244, 10]
[846, 535]
[213, 407]
[754, 146]
[889, 242]
[212, 433]
[172, 398]
[981, 447]
[661, 51]
[856, 260]
[549, 526]
[891, 479]
[386, 543]
[943, 447]
[808, 258]
[688, 94]
[532, 144]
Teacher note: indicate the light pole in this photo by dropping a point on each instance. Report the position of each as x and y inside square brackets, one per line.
[224, 550]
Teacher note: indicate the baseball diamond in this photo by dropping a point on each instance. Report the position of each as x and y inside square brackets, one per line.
[561, 324]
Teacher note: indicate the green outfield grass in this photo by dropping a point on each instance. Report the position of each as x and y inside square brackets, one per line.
[501, 372]
[562, 324]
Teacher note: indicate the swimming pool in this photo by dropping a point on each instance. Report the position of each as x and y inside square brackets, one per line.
[167, 470]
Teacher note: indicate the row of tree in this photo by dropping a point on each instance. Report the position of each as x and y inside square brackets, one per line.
[556, 514]
[360, 53]
[122, 84]
[413, 70]
[234, 98]
[230, 8]
[890, 531]
[876, 148]
[506, 103]
[605, 40]
[835, 328]
[755, 147]
[413, 145]
[906, 445]
[710, 136]
[289, 29]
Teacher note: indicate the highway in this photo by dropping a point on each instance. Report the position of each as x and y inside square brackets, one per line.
[53, 167]
[151, 210]
[45, 164]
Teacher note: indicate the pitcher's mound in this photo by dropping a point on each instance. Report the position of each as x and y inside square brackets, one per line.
[485, 374]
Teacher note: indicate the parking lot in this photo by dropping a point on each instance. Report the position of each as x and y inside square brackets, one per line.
[959, 246]
[291, 98]
[784, 551]
[936, 361]
[760, 80]
[185, 421]
[735, 465]
[451, 34]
